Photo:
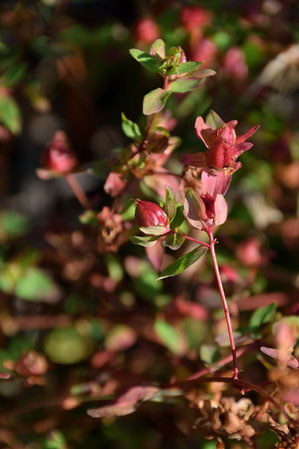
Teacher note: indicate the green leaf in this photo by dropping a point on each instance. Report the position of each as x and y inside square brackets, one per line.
[35, 285]
[170, 203]
[12, 225]
[14, 75]
[170, 336]
[67, 346]
[155, 101]
[146, 60]
[55, 440]
[183, 262]
[89, 217]
[10, 114]
[179, 217]
[262, 315]
[183, 85]
[145, 240]
[186, 67]
[154, 230]
[158, 48]
[174, 241]
[213, 120]
[130, 128]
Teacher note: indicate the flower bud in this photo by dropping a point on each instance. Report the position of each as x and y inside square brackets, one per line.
[150, 214]
[58, 157]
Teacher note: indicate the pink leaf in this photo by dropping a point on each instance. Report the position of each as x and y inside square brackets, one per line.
[124, 404]
[155, 255]
[220, 208]
[276, 354]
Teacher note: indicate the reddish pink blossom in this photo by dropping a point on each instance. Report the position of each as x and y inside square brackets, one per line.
[249, 252]
[209, 209]
[114, 184]
[234, 64]
[204, 50]
[224, 147]
[150, 214]
[146, 31]
[58, 157]
[194, 17]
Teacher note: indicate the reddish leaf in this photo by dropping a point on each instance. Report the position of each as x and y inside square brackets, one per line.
[276, 354]
[124, 404]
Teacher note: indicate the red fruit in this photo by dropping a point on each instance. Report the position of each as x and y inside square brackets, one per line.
[150, 214]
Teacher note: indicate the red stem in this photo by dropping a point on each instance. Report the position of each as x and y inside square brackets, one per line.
[199, 242]
[78, 191]
[224, 303]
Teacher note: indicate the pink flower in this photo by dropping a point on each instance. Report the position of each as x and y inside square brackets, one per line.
[209, 209]
[234, 64]
[149, 214]
[194, 17]
[146, 31]
[224, 147]
[205, 50]
[58, 158]
[114, 184]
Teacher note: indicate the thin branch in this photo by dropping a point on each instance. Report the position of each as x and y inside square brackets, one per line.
[225, 305]
[78, 191]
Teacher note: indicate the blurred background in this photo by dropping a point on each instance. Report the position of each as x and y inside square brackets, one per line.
[79, 319]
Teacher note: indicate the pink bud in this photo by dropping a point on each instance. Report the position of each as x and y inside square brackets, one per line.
[58, 157]
[150, 214]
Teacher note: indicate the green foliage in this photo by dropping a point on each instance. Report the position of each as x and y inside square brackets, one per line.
[89, 217]
[185, 67]
[146, 60]
[170, 203]
[55, 440]
[183, 85]
[10, 114]
[130, 128]
[174, 241]
[12, 225]
[183, 262]
[146, 241]
[155, 101]
[170, 337]
[262, 316]
[67, 346]
[35, 285]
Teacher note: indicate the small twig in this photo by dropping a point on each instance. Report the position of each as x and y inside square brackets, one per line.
[78, 191]
[224, 303]
[199, 242]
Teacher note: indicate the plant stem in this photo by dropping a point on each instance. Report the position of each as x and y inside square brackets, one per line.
[78, 191]
[199, 242]
[224, 303]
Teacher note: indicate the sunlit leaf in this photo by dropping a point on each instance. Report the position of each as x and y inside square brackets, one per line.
[66, 346]
[183, 85]
[170, 336]
[170, 203]
[144, 240]
[174, 241]
[183, 262]
[155, 101]
[146, 60]
[262, 315]
[10, 114]
[130, 128]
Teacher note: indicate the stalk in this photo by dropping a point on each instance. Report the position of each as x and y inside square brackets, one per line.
[78, 191]
[225, 305]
